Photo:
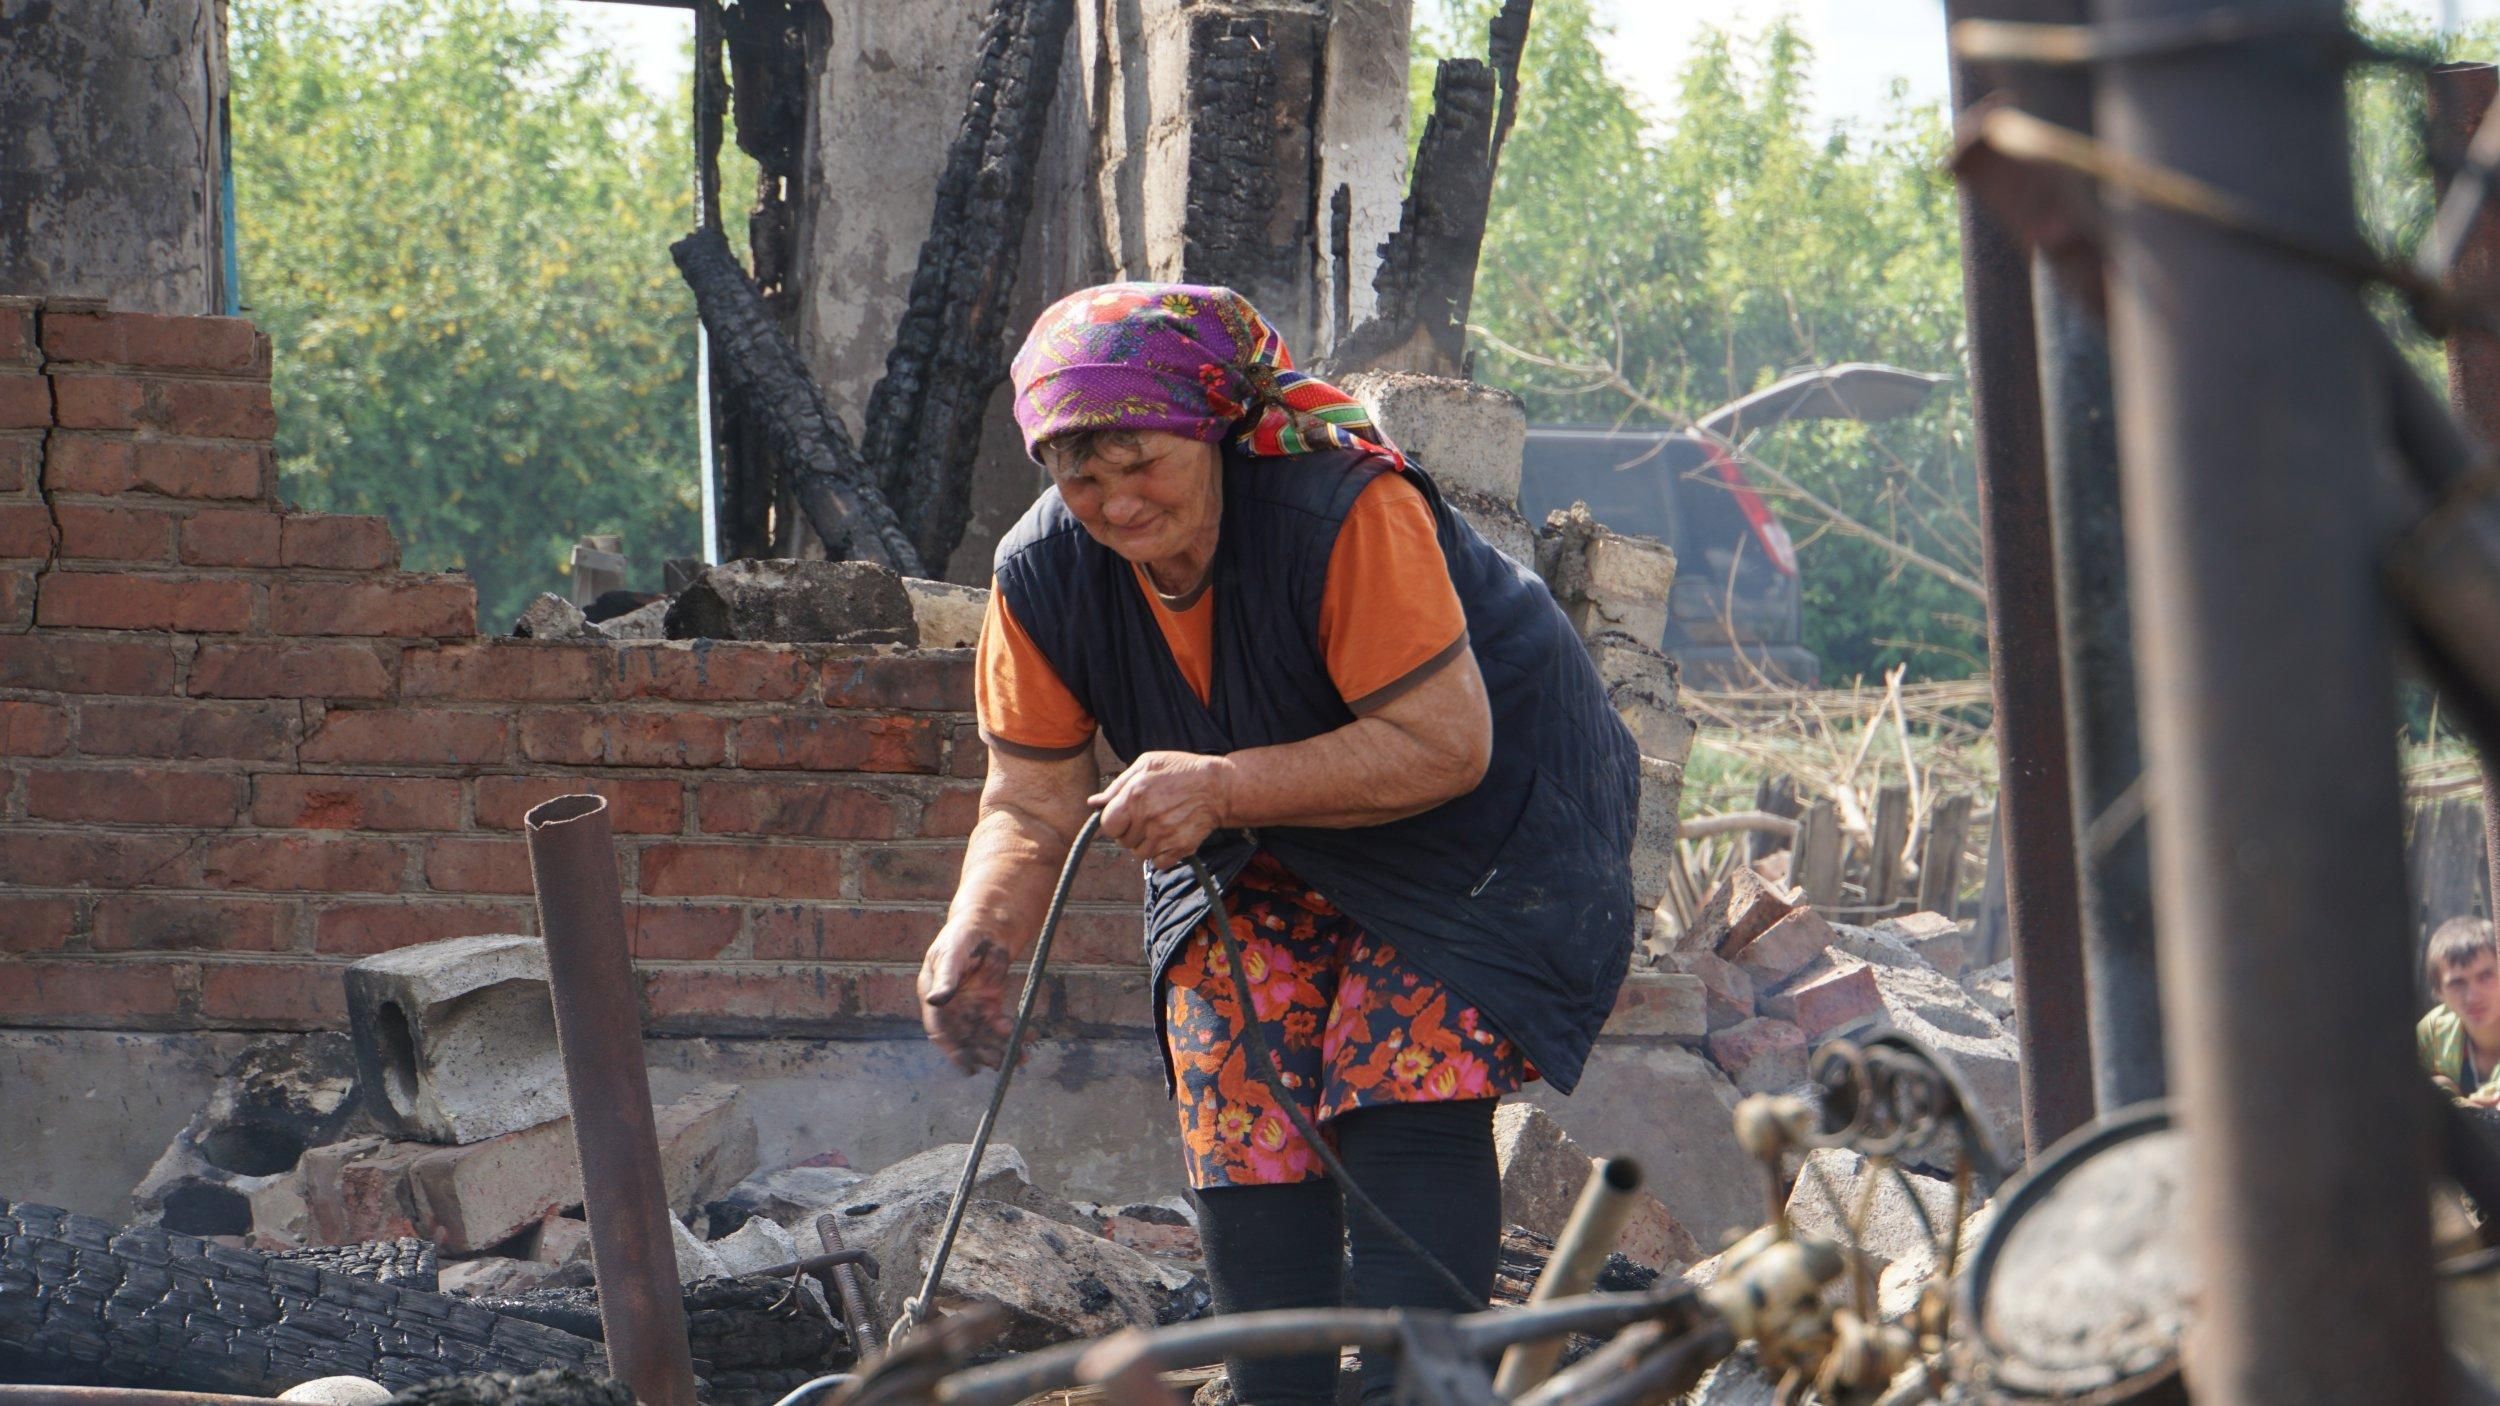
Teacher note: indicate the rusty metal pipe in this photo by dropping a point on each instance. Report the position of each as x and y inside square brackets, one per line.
[859, 1312]
[2034, 804]
[599, 1033]
[1596, 1223]
[2250, 426]
[39, 1395]
[2460, 94]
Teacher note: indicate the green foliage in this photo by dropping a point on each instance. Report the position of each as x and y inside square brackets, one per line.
[454, 218]
[1647, 273]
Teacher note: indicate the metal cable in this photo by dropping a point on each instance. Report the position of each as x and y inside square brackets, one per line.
[916, 1308]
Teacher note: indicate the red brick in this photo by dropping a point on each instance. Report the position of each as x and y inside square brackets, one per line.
[294, 995]
[66, 991]
[356, 802]
[25, 401]
[104, 464]
[283, 863]
[36, 923]
[406, 605]
[711, 671]
[408, 737]
[840, 742]
[17, 600]
[33, 730]
[933, 682]
[85, 858]
[231, 537]
[740, 871]
[516, 669]
[890, 994]
[834, 933]
[1093, 937]
[690, 932]
[576, 737]
[826, 810]
[743, 1000]
[340, 542]
[478, 866]
[180, 728]
[21, 462]
[102, 532]
[966, 754]
[635, 807]
[135, 796]
[102, 600]
[362, 929]
[171, 404]
[17, 332]
[25, 530]
[1824, 1002]
[347, 671]
[229, 345]
[911, 871]
[59, 664]
[1115, 999]
[950, 813]
[124, 923]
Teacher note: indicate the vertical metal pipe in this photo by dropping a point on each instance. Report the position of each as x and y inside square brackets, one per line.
[2113, 859]
[1596, 1223]
[581, 912]
[2250, 418]
[2019, 562]
[2460, 93]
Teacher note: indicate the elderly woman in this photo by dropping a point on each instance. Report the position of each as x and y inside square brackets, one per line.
[1377, 731]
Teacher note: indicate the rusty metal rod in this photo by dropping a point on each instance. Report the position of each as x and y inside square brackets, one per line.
[633, 1253]
[1596, 1223]
[39, 1395]
[2250, 425]
[859, 1312]
[2460, 94]
[2034, 807]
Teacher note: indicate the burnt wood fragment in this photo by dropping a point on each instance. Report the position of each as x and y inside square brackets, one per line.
[82, 1303]
[760, 365]
[923, 427]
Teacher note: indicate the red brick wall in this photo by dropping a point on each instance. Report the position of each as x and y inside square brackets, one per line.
[239, 747]
[242, 748]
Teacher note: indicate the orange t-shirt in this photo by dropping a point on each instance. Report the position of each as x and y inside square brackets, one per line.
[1388, 618]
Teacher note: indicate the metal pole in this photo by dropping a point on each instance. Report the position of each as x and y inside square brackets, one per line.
[2460, 93]
[2032, 795]
[599, 1032]
[2251, 419]
[1587, 1238]
[2113, 859]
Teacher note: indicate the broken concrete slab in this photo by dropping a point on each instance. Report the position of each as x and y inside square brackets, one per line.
[643, 622]
[1741, 908]
[757, 1246]
[1825, 1196]
[456, 1040]
[1543, 1172]
[562, 1240]
[1056, 1282]
[695, 1259]
[490, 1276]
[1939, 940]
[949, 616]
[1993, 988]
[795, 602]
[1003, 1177]
[231, 1169]
[1762, 1055]
[1829, 999]
[791, 1197]
[1784, 949]
[552, 617]
[1172, 1238]
[1934, 1010]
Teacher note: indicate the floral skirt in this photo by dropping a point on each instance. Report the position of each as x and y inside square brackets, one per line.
[1353, 1023]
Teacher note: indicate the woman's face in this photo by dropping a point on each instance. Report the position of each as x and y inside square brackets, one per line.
[1153, 499]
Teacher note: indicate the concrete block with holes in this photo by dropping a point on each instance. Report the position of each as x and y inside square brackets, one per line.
[456, 1040]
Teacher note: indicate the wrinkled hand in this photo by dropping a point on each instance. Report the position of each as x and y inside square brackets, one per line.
[963, 996]
[2487, 1098]
[1165, 805]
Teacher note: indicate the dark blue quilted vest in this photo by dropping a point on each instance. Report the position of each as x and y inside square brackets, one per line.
[1518, 895]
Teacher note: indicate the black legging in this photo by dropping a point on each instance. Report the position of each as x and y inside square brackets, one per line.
[1430, 1166]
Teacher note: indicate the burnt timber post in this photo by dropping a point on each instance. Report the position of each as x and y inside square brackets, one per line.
[2033, 807]
[2251, 415]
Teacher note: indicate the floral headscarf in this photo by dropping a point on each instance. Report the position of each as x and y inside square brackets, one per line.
[1185, 358]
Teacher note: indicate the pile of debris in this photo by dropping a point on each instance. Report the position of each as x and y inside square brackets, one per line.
[783, 602]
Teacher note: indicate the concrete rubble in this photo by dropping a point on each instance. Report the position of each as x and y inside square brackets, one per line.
[795, 602]
[456, 1040]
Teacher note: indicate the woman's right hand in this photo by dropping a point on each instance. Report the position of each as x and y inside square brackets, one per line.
[963, 996]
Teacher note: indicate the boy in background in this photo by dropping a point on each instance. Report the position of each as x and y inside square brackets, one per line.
[2458, 1041]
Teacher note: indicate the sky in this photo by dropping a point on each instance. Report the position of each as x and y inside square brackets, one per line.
[1862, 47]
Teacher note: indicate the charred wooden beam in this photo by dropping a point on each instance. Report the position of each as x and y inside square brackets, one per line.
[1427, 278]
[923, 428]
[760, 364]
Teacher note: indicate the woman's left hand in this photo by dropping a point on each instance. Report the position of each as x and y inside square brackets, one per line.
[1165, 805]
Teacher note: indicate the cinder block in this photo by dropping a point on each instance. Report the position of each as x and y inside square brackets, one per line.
[1469, 436]
[456, 1040]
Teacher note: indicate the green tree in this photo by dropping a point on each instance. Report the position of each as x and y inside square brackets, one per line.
[1646, 272]
[454, 218]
